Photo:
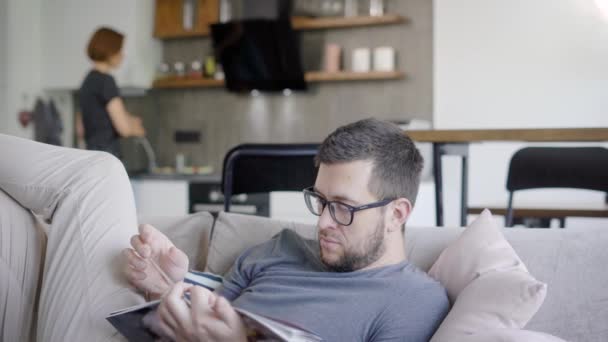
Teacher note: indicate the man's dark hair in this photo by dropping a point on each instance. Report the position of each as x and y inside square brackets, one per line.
[397, 163]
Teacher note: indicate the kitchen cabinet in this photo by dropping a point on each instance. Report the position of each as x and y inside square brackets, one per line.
[157, 197]
[67, 26]
[190, 18]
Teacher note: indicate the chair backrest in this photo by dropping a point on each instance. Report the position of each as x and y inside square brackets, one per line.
[556, 167]
[259, 168]
[559, 167]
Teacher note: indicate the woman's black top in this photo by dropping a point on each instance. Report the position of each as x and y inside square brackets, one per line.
[96, 91]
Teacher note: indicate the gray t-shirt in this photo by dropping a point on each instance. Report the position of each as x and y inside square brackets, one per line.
[284, 278]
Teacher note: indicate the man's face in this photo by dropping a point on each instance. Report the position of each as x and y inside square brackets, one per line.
[353, 247]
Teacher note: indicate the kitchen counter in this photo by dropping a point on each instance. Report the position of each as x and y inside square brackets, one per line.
[190, 178]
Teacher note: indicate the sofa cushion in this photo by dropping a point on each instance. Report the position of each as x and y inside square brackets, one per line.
[486, 281]
[234, 233]
[189, 233]
[509, 335]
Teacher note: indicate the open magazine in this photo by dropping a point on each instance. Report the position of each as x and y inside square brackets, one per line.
[130, 321]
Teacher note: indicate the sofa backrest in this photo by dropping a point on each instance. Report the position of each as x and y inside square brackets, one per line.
[571, 261]
[234, 233]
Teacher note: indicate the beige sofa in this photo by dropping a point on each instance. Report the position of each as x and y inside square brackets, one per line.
[571, 261]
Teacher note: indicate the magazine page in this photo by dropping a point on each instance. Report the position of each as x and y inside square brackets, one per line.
[130, 322]
[263, 328]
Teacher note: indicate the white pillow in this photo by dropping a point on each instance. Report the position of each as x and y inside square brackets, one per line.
[509, 335]
[487, 283]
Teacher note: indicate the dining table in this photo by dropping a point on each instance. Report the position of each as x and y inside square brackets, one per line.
[455, 142]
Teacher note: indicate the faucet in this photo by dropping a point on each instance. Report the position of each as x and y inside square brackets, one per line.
[145, 143]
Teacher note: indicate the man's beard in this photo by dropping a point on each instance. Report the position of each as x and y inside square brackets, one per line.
[355, 260]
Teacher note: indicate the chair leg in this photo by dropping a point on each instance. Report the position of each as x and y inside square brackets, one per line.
[509, 217]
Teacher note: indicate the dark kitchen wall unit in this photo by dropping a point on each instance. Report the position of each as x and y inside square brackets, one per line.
[226, 119]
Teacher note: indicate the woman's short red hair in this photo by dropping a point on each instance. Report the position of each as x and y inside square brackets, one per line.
[104, 44]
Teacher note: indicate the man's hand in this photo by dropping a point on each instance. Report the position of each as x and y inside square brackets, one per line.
[209, 318]
[151, 246]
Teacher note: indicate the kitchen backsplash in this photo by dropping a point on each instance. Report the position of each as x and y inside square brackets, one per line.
[225, 119]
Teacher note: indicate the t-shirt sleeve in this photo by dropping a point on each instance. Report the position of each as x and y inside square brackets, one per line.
[430, 308]
[109, 90]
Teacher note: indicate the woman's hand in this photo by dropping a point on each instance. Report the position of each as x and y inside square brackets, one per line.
[151, 248]
[125, 123]
[208, 318]
[137, 127]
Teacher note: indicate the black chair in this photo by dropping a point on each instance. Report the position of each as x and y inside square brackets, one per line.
[262, 168]
[558, 167]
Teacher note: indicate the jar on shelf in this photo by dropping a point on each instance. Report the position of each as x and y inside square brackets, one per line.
[210, 66]
[196, 69]
[351, 8]
[332, 8]
[376, 8]
[163, 70]
[179, 69]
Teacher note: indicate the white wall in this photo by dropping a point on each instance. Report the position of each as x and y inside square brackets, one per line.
[23, 60]
[3, 64]
[518, 63]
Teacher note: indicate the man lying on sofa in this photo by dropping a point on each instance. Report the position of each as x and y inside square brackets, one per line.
[353, 284]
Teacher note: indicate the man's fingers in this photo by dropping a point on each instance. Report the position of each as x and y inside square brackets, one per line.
[148, 233]
[136, 276]
[201, 299]
[140, 247]
[166, 316]
[133, 260]
[203, 319]
[178, 257]
[226, 313]
[164, 330]
[174, 263]
[152, 321]
[177, 306]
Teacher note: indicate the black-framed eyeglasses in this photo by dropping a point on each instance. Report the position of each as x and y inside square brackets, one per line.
[342, 213]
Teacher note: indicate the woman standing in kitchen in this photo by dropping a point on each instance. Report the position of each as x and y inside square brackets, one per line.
[104, 117]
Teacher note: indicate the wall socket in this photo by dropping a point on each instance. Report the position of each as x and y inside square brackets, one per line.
[187, 136]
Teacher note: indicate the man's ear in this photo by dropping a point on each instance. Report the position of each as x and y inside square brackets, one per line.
[400, 210]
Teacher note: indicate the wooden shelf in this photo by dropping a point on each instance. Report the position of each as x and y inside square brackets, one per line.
[307, 23]
[299, 23]
[187, 82]
[314, 76]
[321, 76]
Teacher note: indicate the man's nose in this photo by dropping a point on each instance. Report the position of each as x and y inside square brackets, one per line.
[325, 220]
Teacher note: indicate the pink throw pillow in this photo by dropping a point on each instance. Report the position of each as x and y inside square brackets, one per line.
[487, 283]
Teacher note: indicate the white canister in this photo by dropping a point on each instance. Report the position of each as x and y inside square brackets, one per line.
[384, 58]
[361, 60]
